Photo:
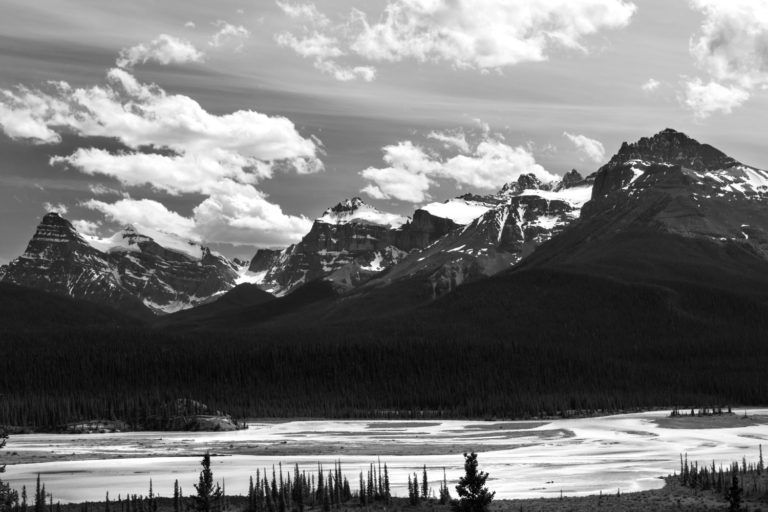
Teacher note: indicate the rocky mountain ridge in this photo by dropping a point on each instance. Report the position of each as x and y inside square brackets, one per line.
[129, 270]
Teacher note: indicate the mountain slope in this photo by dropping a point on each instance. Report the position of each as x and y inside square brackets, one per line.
[511, 224]
[130, 270]
[23, 308]
[669, 207]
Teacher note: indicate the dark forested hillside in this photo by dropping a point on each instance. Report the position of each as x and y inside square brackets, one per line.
[527, 343]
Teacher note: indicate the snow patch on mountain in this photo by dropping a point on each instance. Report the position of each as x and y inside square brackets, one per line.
[460, 211]
[129, 238]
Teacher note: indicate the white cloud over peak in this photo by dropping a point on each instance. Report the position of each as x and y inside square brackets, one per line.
[59, 208]
[164, 49]
[233, 213]
[732, 49]
[229, 34]
[591, 148]
[412, 171]
[145, 212]
[478, 34]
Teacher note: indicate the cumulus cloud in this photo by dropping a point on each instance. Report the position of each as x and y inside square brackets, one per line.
[705, 99]
[28, 115]
[732, 49]
[411, 171]
[243, 145]
[229, 35]
[651, 85]
[478, 34]
[145, 212]
[164, 49]
[175, 146]
[59, 208]
[232, 213]
[591, 148]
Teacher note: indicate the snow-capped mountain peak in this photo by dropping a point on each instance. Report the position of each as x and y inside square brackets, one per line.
[135, 265]
[355, 210]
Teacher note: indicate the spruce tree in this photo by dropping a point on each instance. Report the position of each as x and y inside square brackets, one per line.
[424, 483]
[176, 497]
[39, 496]
[473, 495]
[734, 493]
[387, 493]
[445, 494]
[208, 495]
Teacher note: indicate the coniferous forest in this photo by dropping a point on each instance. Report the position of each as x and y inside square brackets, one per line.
[50, 378]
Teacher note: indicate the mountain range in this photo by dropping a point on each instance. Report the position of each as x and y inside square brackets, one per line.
[665, 209]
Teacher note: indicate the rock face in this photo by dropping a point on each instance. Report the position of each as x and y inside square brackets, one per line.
[672, 183]
[132, 269]
[510, 225]
[671, 207]
[349, 244]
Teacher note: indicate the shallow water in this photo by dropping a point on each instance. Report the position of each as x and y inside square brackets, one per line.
[524, 459]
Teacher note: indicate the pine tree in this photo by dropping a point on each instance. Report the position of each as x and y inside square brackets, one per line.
[734, 493]
[363, 494]
[24, 505]
[424, 483]
[39, 496]
[760, 463]
[208, 496]
[445, 494]
[473, 495]
[106, 503]
[176, 497]
[387, 493]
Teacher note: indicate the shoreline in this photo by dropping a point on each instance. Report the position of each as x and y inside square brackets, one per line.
[425, 417]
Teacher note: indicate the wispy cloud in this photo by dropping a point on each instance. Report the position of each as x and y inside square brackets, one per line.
[651, 85]
[229, 35]
[478, 34]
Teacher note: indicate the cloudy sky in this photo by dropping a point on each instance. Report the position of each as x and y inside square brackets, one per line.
[238, 122]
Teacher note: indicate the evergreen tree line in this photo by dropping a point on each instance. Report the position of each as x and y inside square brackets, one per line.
[51, 378]
[734, 482]
[283, 491]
